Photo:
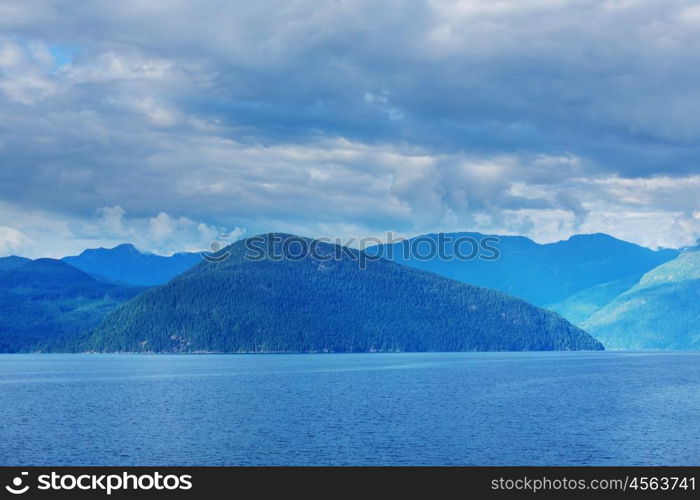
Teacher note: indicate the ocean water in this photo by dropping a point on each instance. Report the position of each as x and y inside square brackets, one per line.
[608, 408]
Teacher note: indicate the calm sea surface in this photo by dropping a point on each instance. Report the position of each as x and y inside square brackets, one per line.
[368, 409]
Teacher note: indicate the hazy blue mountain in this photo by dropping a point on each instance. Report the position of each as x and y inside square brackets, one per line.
[581, 305]
[540, 273]
[12, 262]
[47, 304]
[661, 312]
[317, 305]
[124, 263]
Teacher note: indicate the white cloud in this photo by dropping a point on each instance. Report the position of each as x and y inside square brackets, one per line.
[13, 241]
[161, 227]
[177, 121]
[113, 220]
[46, 234]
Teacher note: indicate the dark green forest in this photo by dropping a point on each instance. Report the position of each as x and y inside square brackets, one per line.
[320, 305]
[47, 305]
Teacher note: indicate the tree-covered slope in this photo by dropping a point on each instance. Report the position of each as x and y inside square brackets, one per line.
[661, 312]
[315, 305]
[12, 262]
[126, 264]
[539, 273]
[47, 305]
[582, 305]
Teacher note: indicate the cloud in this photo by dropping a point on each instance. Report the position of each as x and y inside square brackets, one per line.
[12, 241]
[161, 227]
[540, 116]
[113, 220]
[23, 68]
[47, 234]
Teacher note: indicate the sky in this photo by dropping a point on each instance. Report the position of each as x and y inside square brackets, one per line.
[167, 123]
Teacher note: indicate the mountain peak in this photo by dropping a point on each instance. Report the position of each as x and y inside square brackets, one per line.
[12, 262]
[127, 264]
[122, 248]
[593, 236]
[46, 264]
[685, 267]
[46, 271]
[297, 305]
[597, 238]
[544, 273]
[126, 247]
[659, 312]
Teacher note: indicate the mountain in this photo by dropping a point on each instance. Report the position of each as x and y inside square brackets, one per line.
[659, 312]
[317, 304]
[582, 305]
[12, 262]
[126, 264]
[539, 273]
[47, 304]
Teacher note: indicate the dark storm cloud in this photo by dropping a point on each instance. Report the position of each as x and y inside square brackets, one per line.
[335, 116]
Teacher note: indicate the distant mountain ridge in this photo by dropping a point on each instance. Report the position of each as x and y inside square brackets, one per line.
[543, 274]
[12, 262]
[661, 311]
[124, 263]
[582, 305]
[47, 304]
[311, 305]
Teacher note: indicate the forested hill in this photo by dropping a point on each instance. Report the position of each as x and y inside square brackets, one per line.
[317, 305]
[46, 304]
[660, 312]
[12, 262]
